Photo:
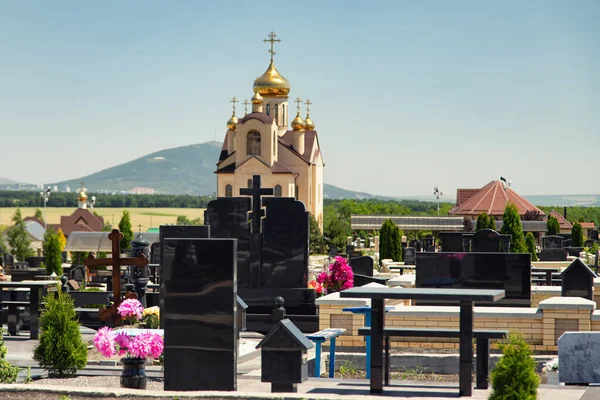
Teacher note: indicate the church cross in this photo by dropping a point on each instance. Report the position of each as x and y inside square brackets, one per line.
[256, 192]
[298, 101]
[233, 101]
[116, 261]
[308, 104]
[272, 40]
[246, 103]
[140, 227]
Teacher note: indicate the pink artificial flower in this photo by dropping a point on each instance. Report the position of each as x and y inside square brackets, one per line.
[155, 342]
[339, 277]
[104, 342]
[139, 347]
[131, 308]
[122, 340]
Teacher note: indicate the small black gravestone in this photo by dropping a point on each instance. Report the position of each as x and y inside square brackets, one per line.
[573, 251]
[552, 242]
[589, 243]
[594, 235]
[155, 253]
[488, 240]
[171, 232]
[272, 253]
[410, 256]
[362, 265]
[428, 243]
[415, 244]
[578, 281]
[553, 255]
[451, 241]
[78, 274]
[333, 250]
[349, 248]
[467, 239]
[284, 360]
[354, 254]
[200, 301]
[35, 262]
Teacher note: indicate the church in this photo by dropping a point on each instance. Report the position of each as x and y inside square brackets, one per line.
[262, 142]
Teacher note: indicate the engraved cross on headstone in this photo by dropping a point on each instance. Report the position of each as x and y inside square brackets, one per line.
[256, 192]
[116, 261]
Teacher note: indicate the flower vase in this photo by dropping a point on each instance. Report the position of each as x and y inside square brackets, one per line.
[552, 377]
[134, 373]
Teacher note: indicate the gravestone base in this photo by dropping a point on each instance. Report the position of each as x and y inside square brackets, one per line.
[284, 388]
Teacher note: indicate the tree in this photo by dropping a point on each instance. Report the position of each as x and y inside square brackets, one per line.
[553, 226]
[577, 235]
[61, 239]
[390, 241]
[39, 214]
[530, 243]
[60, 349]
[491, 222]
[183, 220]
[315, 237]
[3, 246]
[336, 229]
[52, 253]
[483, 221]
[514, 376]
[511, 225]
[396, 244]
[125, 228]
[18, 238]
[8, 373]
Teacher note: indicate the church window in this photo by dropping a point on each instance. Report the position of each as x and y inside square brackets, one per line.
[283, 115]
[297, 192]
[253, 143]
[276, 114]
[277, 191]
[274, 143]
[268, 109]
[249, 183]
[228, 191]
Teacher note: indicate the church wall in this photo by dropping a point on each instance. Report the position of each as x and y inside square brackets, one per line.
[318, 183]
[282, 118]
[266, 138]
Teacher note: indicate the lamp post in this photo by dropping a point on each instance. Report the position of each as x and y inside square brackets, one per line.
[45, 195]
[437, 194]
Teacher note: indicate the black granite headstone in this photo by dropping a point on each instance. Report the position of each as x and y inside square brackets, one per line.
[578, 281]
[416, 244]
[451, 241]
[552, 242]
[573, 251]
[589, 243]
[200, 301]
[553, 255]
[333, 250]
[508, 271]
[155, 253]
[362, 265]
[488, 240]
[594, 235]
[410, 256]
[172, 232]
[428, 243]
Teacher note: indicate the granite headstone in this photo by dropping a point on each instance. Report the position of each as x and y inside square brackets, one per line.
[552, 242]
[579, 355]
[451, 241]
[410, 256]
[553, 254]
[578, 281]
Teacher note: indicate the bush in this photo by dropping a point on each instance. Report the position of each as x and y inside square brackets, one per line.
[8, 373]
[577, 235]
[52, 253]
[530, 243]
[553, 226]
[60, 349]
[390, 241]
[514, 377]
[511, 225]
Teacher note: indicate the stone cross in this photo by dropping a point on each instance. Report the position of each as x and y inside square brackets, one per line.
[256, 192]
[272, 40]
[116, 261]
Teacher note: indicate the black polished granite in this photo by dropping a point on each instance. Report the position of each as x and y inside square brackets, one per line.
[451, 241]
[552, 242]
[488, 240]
[508, 271]
[578, 281]
[199, 313]
[553, 254]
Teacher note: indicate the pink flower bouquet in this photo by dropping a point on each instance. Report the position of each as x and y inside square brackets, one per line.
[144, 345]
[131, 310]
[340, 276]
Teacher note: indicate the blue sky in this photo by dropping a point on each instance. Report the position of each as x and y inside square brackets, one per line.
[407, 95]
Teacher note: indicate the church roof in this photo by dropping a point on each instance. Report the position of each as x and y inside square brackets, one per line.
[262, 117]
[309, 140]
[492, 199]
[562, 221]
[81, 220]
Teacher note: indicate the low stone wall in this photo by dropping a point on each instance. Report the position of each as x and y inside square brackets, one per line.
[541, 326]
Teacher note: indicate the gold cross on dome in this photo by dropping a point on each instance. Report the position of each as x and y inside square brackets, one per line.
[308, 104]
[246, 102]
[298, 101]
[140, 227]
[233, 101]
[272, 40]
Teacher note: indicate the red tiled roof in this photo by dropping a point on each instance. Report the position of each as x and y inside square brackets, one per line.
[463, 195]
[562, 221]
[588, 225]
[262, 117]
[80, 220]
[309, 140]
[492, 199]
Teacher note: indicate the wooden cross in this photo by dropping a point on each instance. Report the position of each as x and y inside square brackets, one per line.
[246, 103]
[111, 314]
[256, 192]
[272, 40]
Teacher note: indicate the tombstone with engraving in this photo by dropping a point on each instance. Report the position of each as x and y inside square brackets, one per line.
[410, 256]
[363, 271]
[553, 255]
[488, 240]
[552, 242]
[272, 254]
[415, 244]
[578, 281]
[451, 241]
[429, 243]
[200, 300]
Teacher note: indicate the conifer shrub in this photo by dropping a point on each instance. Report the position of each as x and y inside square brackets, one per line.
[385, 238]
[530, 243]
[577, 235]
[482, 221]
[511, 225]
[553, 226]
[8, 373]
[514, 377]
[60, 350]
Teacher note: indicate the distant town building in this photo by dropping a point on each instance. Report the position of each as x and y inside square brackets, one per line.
[140, 190]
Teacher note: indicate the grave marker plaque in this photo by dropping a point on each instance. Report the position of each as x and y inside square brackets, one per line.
[553, 255]
[410, 256]
[200, 304]
[578, 281]
[451, 241]
[552, 242]
[488, 240]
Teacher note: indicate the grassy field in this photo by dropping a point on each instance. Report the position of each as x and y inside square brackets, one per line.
[147, 217]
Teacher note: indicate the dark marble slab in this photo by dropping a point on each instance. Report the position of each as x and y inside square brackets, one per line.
[553, 254]
[451, 241]
[200, 295]
[508, 271]
[552, 242]
[410, 256]
[362, 265]
[578, 281]
[488, 240]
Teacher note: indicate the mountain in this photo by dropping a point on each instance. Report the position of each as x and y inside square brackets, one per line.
[334, 192]
[7, 181]
[180, 170]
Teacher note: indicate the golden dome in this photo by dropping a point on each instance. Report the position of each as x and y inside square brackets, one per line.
[298, 124]
[257, 98]
[310, 125]
[271, 83]
[82, 195]
[232, 123]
